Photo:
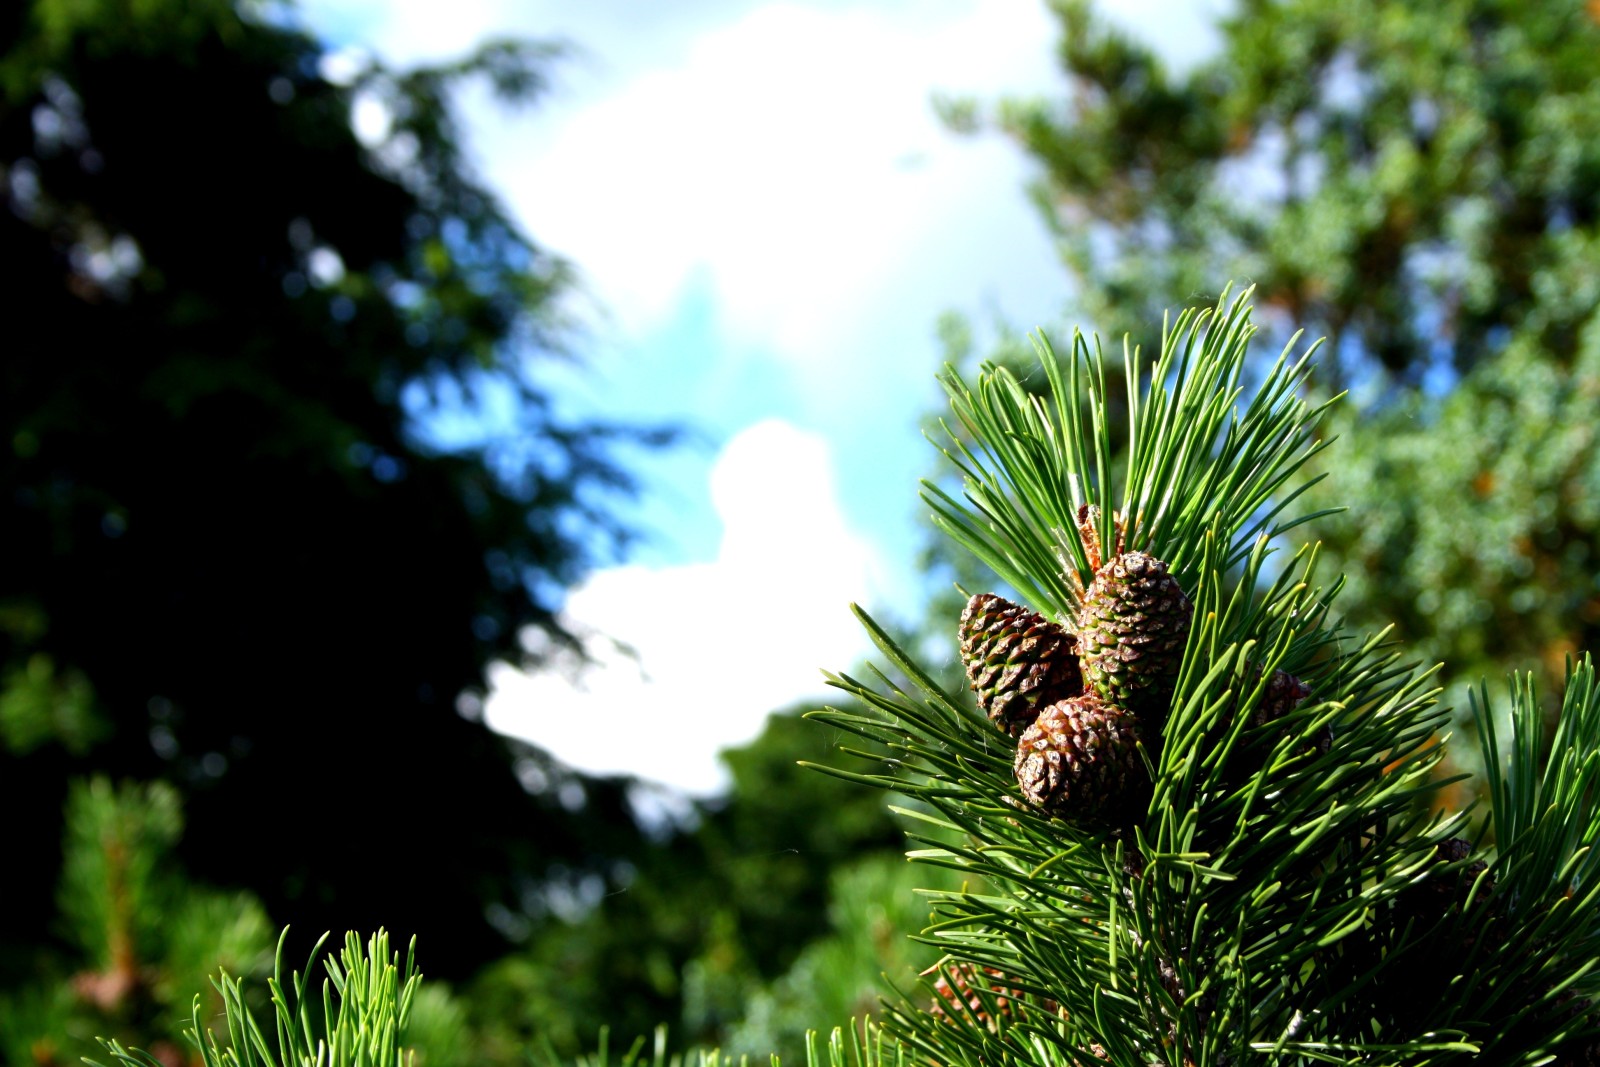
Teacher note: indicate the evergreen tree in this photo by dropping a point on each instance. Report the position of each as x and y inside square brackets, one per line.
[238, 558]
[144, 939]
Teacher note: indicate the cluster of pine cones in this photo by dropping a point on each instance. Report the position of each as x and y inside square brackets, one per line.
[1081, 701]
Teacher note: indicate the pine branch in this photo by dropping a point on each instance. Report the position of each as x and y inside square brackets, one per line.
[1286, 887]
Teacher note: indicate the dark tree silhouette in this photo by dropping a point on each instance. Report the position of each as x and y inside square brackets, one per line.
[232, 558]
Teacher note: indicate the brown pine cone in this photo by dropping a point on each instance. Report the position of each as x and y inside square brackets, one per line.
[1080, 759]
[957, 986]
[1018, 661]
[1132, 630]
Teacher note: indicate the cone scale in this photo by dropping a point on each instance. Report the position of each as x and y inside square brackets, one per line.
[1080, 759]
[1017, 661]
[1131, 632]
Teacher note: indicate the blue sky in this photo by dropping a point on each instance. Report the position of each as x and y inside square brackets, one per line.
[768, 221]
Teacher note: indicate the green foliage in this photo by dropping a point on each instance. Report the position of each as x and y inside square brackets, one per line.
[144, 938]
[358, 1017]
[941, 558]
[1535, 959]
[1420, 183]
[1381, 190]
[371, 1010]
[1278, 897]
[208, 929]
[1189, 453]
[236, 536]
[38, 705]
[117, 842]
[863, 1045]
[703, 922]
[641, 1053]
[1481, 551]
[873, 907]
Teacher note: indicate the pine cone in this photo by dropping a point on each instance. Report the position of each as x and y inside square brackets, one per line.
[955, 993]
[1424, 904]
[1439, 939]
[1284, 693]
[1452, 890]
[1584, 1052]
[1080, 760]
[1572, 1006]
[1018, 661]
[1131, 632]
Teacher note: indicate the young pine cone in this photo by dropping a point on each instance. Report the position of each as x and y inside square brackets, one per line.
[1089, 535]
[1080, 760]
[1018, 661]
[1284, 692]
[1132, 631]
[956, 992]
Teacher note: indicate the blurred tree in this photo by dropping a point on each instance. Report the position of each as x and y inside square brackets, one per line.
[238, 556]
[874, 905]
[146, 942]
[144, 939]
[1419, 182]
[703, 924]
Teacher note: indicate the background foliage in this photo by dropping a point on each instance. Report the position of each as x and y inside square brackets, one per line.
[237, 565]
[1419, 183]
[232, 550]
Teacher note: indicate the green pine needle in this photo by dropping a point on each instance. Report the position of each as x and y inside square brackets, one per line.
[359, 1019]
[1193, 459]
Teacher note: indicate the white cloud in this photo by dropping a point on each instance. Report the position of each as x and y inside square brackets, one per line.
[792, 153]
[783, 151]
[719, 645]
[787, 150]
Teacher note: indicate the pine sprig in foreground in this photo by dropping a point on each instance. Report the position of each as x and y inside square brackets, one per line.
[356, 1018]
[1266, 880]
